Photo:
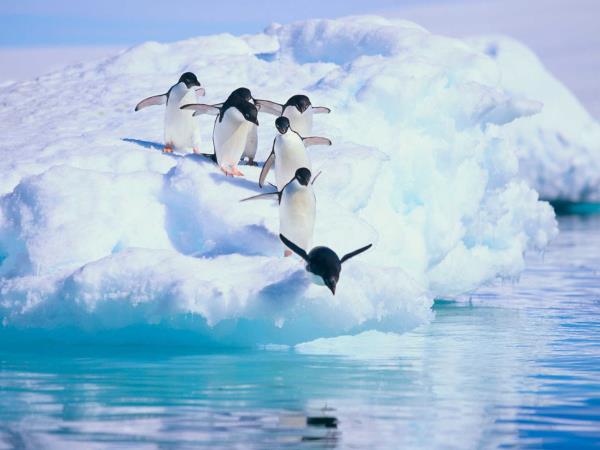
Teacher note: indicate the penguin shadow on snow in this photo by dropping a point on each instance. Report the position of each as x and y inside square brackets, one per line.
[243, 182]
[159, 147]
[146, 144]
[217, 176]
[152, 146]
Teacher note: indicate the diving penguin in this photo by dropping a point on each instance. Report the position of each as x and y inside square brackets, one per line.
[181, 129]
[288, 153]
[323, 263]
[233, 127]
[298, 109]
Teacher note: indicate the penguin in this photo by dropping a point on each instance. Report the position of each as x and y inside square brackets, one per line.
[297, 209]
[323, 263]
[181, 130]
[252, 141]
[288, 153]
[233, 126]
[298, 109]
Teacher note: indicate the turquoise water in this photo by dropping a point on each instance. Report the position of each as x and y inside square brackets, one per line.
[516, 365]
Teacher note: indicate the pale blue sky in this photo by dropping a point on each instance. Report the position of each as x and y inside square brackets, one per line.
[562, 32]
[114, 22]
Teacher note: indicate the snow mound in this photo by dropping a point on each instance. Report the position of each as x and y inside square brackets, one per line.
[558, 149]
[101, 233]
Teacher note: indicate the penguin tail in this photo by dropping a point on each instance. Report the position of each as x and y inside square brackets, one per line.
[210, 156]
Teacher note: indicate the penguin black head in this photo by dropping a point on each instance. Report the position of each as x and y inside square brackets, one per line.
[247, 109]
[301, 102]
[189, 79]
[323, 262]
[303, 176]
[282, 124]
[242, 93]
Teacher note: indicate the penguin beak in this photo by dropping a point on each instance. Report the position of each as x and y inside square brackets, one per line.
[255, 121]
[303, 107]
[331, 284]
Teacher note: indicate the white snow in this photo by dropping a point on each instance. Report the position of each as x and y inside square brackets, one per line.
[100, 231]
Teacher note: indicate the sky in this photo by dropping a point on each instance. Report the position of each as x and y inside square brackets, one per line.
[562, 32]
[110, 22]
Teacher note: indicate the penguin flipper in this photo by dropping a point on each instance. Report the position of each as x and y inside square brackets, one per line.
[315, 140]
[266, 167]
[201, 108]
[297, 250]
[321, 110]
[150, 101]
[355, 252]
[264, 196]
[315, 177]
[269, 107]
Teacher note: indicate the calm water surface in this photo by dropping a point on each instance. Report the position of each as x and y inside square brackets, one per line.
[516, 366]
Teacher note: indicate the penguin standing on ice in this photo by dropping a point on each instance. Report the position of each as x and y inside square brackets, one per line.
[322, 262]
[297, 209]
[233, 127]
[252, 141]
[298, 109]
[288, 153]
[181, 129]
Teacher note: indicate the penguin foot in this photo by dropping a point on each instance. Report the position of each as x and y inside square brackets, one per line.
[287, 253]
[226, 171]
[168, 149]
[235, 171]
[196, 151]
[251, 162]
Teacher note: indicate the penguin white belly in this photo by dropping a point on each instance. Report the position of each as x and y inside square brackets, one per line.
[251, 143]
[316, 279]
[230, 137]
[290, 155]
[297, 214]
[181, 128]
[301, 123]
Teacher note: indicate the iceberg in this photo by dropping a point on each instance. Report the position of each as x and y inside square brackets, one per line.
[103, 235]
[559, 148]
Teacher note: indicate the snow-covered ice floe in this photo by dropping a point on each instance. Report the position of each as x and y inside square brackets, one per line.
[102, 233]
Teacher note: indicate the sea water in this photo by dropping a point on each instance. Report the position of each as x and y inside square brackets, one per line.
[516, 364]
